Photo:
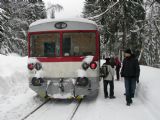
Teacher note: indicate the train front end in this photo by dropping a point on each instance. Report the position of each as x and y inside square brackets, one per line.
[63, 58]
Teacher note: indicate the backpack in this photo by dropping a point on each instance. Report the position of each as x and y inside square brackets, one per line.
[104, 70]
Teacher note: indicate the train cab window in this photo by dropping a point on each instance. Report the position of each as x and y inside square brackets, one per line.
[45, 45]
[49, 49]
[66, 46]
[79, 44]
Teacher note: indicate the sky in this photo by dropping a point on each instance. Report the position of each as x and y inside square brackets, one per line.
[71, 8]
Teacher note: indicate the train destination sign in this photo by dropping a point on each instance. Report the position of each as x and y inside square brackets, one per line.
[60, 25]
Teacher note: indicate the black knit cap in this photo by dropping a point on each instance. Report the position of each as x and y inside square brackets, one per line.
[128, 51]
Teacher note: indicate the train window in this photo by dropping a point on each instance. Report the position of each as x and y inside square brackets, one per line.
[79, 44]
[49, 49]
[66, 46]
[45, 45]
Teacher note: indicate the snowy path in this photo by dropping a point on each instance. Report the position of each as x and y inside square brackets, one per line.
[113, 109]
[98, 109]
[55, 110]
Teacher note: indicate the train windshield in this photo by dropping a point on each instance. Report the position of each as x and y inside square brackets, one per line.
[73, 44]
[79, 44]
[45, 45]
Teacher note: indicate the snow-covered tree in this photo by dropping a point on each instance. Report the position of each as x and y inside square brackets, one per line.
[5, 28]
[20, 14]
[128, 23]
[52, 8]
[3, 19]
[115, 17]
[152, 33]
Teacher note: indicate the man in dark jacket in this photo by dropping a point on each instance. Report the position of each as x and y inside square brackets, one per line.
[130, 71]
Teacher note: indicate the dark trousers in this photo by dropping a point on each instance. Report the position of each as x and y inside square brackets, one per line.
[111, 84]
[130, 86]
[117, 72]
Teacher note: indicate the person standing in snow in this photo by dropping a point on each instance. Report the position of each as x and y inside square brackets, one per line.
[118, 66]
[108, 78]
[130, 71]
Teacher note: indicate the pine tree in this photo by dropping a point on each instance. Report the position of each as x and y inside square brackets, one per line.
[2, 19]
[21, 13]
[125, 23]
[4, 6]
[151, 43]
[115, 16]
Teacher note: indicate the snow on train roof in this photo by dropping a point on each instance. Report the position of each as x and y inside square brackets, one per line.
[62, 24]
[82, 20]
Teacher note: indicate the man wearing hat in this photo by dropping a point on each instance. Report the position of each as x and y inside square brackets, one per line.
[130, 71]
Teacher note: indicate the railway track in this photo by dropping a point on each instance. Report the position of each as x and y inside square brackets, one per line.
[37, 108]
[70, 115]
[75, 109]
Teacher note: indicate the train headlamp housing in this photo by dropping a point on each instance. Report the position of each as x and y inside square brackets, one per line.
[37, 81]
[93, 65]
[82, 81]
[85, 66]
[38, 66]
[31, 66]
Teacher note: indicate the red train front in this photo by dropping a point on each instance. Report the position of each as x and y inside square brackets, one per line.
[63, 58]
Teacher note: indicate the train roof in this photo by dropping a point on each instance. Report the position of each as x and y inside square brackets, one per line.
[68, 24]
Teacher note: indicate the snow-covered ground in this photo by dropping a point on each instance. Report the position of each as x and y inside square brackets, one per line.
[17, 100]
[114, 109]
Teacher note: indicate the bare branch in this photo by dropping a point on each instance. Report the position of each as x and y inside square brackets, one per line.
[104, 11]
[158, 30]
[55, 6]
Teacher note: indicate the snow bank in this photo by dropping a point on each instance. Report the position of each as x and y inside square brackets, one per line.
[16, 99]
[149, 87]
[13, 74]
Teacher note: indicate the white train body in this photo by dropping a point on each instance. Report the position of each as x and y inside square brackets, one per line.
[63, 57]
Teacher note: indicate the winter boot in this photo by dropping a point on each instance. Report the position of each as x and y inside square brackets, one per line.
[128, 104]
[112, 97]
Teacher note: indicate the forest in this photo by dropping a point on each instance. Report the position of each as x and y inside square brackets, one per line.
[122, 24]
[133, 24]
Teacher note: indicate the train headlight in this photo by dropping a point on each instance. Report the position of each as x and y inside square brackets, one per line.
[82, 81]
[93, 65]
[85, 66]
[38, 66]
[37, 81]
[30, 66]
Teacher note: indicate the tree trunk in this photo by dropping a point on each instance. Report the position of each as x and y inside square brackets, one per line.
[124, 28]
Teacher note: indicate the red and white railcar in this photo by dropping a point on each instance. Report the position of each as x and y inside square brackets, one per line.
[63, 57]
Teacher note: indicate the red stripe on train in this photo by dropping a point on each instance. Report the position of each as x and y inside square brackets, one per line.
[63, 59]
